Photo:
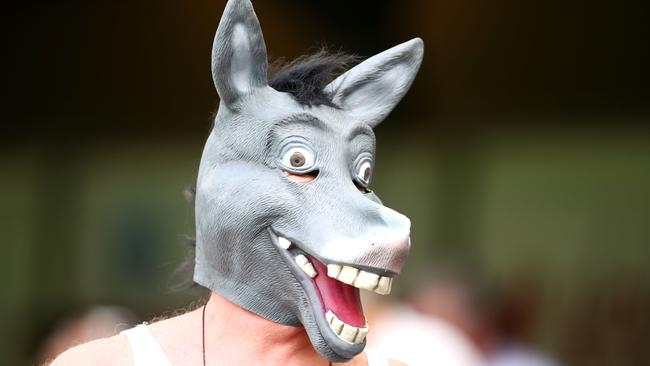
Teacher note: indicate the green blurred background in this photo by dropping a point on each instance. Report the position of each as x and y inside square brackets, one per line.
[521, 154]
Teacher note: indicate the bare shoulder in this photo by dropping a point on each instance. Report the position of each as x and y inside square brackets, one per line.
[102, 352]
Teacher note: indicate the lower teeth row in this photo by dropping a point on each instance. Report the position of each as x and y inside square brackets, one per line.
[346, 332]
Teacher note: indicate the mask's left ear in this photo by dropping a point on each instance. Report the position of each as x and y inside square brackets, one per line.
[239, 61]
[370, 90]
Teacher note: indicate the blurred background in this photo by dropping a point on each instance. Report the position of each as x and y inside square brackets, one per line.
[521, 154]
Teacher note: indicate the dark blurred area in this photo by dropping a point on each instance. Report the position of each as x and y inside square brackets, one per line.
[521, 154]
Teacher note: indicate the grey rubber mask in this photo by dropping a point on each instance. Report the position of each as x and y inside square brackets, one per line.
[297, 252]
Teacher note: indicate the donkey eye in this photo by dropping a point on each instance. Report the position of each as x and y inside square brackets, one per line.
[365, 172]
[363, 169]
[298, 158]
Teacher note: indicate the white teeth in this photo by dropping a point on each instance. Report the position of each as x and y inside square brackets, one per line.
[306, 266]
[360, 279]
[346, 332]
[329, 316]
[366, 280]
[384, 286]
[348, 274]
[361, 335]
[349, 333]
[284, 243]
[336, 324]
[333, 270]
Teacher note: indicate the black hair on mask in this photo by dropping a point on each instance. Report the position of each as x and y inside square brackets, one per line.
[306, 77]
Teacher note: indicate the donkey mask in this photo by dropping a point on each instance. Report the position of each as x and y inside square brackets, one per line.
[294, 252]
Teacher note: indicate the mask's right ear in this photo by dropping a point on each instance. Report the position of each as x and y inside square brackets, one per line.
[370, 90]
[239, 61]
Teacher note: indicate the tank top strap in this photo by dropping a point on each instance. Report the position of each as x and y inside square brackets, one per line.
[144, 347]
[375, 359]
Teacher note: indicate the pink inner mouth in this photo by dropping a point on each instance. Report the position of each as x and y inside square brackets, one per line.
[342, 299]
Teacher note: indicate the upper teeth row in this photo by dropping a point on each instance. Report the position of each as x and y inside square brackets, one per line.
[346, 332]
[361, 279]
[346, 274]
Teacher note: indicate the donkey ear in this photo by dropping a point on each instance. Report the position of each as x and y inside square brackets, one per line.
[239, 62]
[370, 90]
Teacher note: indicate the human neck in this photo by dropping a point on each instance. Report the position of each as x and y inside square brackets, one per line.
[235, 335]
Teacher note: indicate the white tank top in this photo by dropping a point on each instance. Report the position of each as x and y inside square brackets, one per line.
[147, 352]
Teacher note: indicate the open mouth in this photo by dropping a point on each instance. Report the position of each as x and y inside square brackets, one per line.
[338, 286]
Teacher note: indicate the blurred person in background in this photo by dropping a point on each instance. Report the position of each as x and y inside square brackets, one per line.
[451, 319]
[418, 339]
[509, 323]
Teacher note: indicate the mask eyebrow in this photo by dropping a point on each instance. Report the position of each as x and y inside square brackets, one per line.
[299, 119]
[302, 119]
[361, 129]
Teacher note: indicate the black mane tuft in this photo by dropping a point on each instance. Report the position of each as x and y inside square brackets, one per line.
[307, 76]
